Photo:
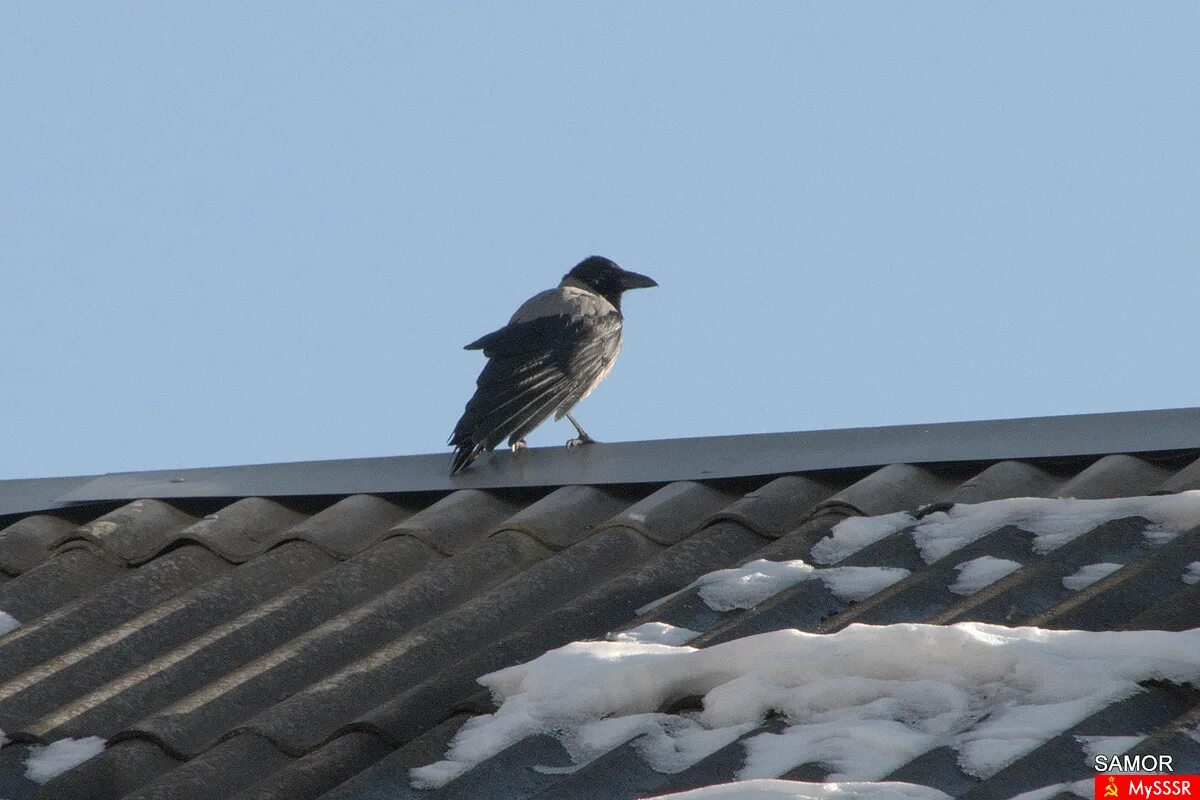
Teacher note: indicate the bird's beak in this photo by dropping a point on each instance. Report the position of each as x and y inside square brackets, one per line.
[632, 280]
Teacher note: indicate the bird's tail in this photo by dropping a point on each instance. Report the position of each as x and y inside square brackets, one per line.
[464, 455]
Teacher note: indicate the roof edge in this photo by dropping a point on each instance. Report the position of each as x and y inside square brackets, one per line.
[25, 495]
[653, 461]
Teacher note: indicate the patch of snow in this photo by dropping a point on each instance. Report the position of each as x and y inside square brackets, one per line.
[1156, 534]
[1089, 574]
[859, 583]
[853, 534]
[1192, 576]
[763, 789]
[8, 622]
[655, 633]
[51, 760]
[863, 700]
[1107, 745]
[748, 585]
[979, 572]
[1053, 523]
[586, 743]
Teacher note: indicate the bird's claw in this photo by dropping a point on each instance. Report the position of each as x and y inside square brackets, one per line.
[518, 446]
[579, 441]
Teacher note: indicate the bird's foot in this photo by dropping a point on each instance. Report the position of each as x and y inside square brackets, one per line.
[579, 441]
[518, 446]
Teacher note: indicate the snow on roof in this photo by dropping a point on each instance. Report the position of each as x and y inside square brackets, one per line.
[51, 760]
[864, 700]
[979, 572]
[655, 633]
[748, 585]
[1088, 574]
[1053, 523]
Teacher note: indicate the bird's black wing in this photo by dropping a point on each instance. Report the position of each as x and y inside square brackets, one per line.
[535, 367]
[592, 360]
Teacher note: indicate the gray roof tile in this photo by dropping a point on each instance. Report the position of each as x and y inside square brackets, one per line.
[124, 767]
[111, 680]
[778, 506]
[242, 529]
[1005, 479]
[937, 768]
[673, 512]
[349, 526]
[1185, 479]
[896, 487]
[511, 773]
[134, 532]
[326, 661]
[588, 615]
[323, 769]
[458, 521]
[312, 715]
[1115, 476]
[29, 541]
[1177, 739]
[34, 656]
[388, 778]
[13, 783]
[222, 649]
[217, 773]
[1177, 612]
[1112, 601]
[566, 515]
[54, 583]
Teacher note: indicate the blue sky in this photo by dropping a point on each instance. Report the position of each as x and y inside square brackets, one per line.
[241, 234]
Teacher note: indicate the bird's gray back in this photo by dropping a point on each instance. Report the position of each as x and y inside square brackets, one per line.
[592, 357]
[566, 300]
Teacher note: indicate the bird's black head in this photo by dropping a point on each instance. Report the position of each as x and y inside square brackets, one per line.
[602, 276]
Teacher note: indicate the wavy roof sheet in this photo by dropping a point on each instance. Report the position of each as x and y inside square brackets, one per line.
[314, 645]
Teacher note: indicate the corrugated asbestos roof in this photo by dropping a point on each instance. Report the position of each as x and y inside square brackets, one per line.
[320, 646]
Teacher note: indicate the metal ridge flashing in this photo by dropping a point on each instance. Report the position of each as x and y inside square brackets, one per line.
[666, 460]
[23, 495]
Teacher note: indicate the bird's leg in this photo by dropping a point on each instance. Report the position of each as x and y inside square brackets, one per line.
[518, 446]
[583, 437]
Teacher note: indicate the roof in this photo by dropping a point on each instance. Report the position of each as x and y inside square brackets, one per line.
[318, 642]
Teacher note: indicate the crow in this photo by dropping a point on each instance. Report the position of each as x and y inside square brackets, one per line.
[553, 352]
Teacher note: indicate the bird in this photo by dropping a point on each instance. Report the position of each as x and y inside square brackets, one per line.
[553, 352]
